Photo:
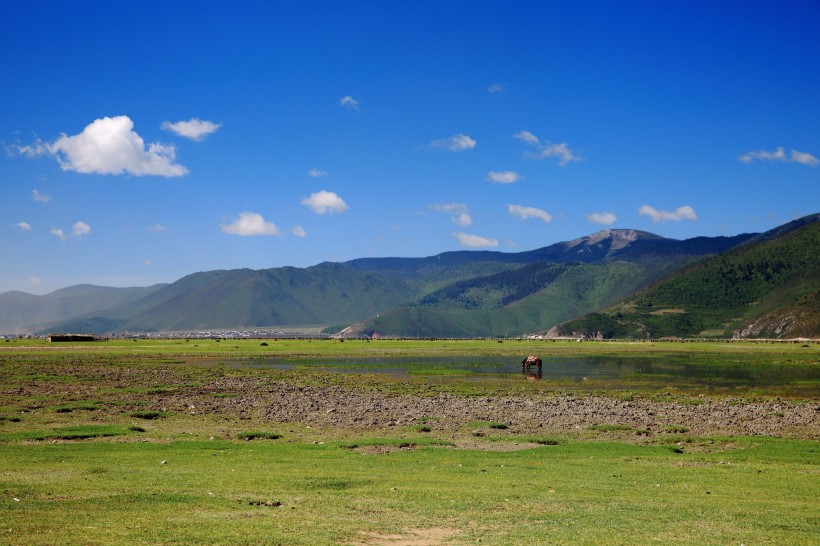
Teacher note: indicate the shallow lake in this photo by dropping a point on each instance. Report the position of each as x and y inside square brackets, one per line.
[576, 371]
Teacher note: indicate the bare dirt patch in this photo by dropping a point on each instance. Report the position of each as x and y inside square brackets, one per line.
[240, 401]
[334, 406]
[412, 537]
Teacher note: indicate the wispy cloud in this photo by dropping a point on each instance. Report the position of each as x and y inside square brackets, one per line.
[544, 150]
[503, 177]
[458, 212]
[194, 129]
[349, 102]
[496, 88]
[455, 143]
[526, 136]
[467, 239]
[317, 173]
[529, 212]
[325, 202]
[602, 218]
[250, 224]
[36, 149]
[681, 213]
[40, 197]
[298, 231]
[779, 155]
[157, 228]
[805, 158]
[36, 281]
[23, 226]
[80, 229]
[109, 146]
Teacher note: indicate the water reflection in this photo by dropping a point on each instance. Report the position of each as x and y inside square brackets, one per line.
[594, 370]
[533, 376]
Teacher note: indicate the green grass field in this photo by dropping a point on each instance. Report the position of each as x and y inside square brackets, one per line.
[756, 491]
[81, 462]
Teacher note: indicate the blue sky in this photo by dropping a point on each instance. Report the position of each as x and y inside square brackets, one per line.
[143, 141]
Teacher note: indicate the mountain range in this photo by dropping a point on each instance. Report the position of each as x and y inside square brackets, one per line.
[453, 294]
[768, 287]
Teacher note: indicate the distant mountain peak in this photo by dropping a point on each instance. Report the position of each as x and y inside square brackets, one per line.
[619, 238]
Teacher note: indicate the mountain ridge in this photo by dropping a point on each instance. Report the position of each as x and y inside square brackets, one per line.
[768, 287]
[473, 293]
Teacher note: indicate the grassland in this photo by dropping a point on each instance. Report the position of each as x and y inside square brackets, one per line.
[139, 442]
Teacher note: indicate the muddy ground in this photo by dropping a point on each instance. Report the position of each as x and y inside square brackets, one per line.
[258, 400]
[351, 408]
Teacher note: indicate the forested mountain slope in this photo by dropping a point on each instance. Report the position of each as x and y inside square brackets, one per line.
[769, 288]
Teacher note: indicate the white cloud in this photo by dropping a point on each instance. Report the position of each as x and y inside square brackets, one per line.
[463, 219]
[561, 151]
[80, 229]
[23, 226]
[36, 281]
[325, 202]
[495, 88]
[250, 224]
[455, 143]
[526, 136]
[57, 232]
[603, 218]
[804, 158]
[467, 239]
[40, 197]
[317, 173]
[349, 102]
[547, 149]
[36, 149]
[458, 212]
[298, 231]
[157, 228]
[109, 146]
[503, 177]
[148, 261]
[529, 212]
[779, 154]
[681, 213]
[194, 128]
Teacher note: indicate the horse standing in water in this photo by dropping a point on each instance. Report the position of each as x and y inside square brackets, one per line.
[531, 361]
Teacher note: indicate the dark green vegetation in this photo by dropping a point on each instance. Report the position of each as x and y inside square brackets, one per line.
[225, 466]
[525, 299]
[760, 289]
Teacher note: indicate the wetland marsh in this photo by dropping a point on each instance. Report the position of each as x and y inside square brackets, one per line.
[388, 442]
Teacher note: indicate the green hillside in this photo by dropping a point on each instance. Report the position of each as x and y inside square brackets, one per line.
[245, 298]
[24, 312]
[770, 288]
[453, 294]
[513, 302]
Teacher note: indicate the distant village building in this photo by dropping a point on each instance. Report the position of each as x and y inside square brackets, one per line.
[69, 337]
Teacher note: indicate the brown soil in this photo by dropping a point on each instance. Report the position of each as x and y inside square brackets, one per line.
[251, 401]
[339, 407]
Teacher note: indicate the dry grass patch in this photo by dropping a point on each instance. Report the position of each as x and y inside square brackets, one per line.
[412, 537]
